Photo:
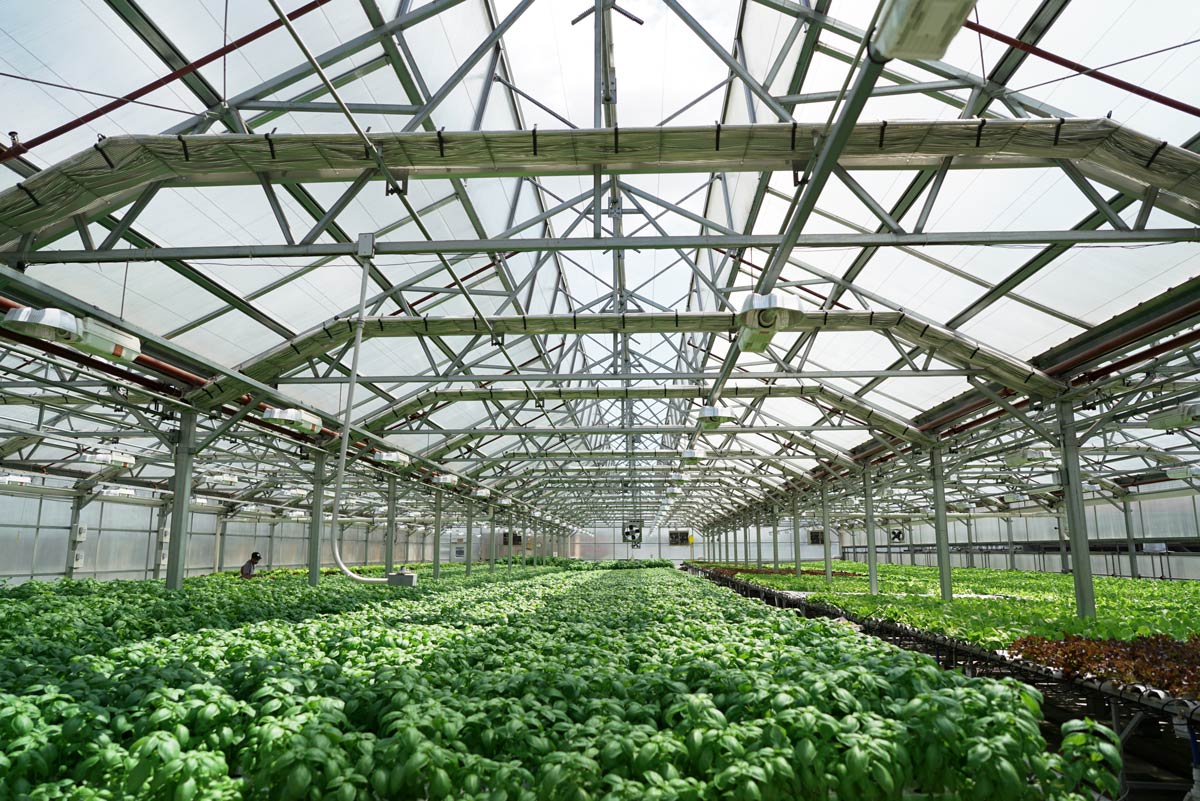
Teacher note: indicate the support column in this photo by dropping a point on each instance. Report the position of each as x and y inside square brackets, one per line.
[869, 522]
[181, 499]
[470, 533]
[746, 542]
[316, 519]
[491, 538]
[827, 534]
[775, 538]
[1012, 548]
[389, 542]
[758, 544]
[160, 540]
[941, 532]
[437, 534]
[74, 542]
[796, 533]
[512, 535]
[219, 556]
[1061, 519]
[1081, 563]
[970, 521]
[525, 530]
[1127, 510]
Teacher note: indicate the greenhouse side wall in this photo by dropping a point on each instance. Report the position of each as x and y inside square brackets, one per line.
[122, 540]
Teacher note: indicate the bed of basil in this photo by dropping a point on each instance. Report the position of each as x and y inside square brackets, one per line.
[992, 608]
[538, 684]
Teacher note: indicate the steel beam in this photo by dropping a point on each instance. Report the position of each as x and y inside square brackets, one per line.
[389, 543]
[316, 518]
[181, 488]
[720, 242]
[827, 537]
[941, 529]
[1076, 516]
[869, 523]
[438, 502]
[470, 534]
[1130, 542]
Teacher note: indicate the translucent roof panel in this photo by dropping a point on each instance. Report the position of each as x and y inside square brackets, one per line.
[962, 257]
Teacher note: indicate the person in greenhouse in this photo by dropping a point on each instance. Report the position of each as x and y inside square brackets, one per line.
[248, 568]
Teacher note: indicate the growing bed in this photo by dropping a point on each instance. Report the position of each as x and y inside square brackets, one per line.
[530, 684]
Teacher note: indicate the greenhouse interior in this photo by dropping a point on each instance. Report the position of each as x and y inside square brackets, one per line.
[671, 400]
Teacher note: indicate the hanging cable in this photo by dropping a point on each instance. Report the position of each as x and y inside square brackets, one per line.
[1104, 66]
[39, 82]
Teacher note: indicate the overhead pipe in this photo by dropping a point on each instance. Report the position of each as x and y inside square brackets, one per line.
[1082, 69]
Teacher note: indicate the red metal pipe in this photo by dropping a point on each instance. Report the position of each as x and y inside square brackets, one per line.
[257, 33]
[464, 279]
[807, 290]
[1061, 367]
[1141, 356]
[1034, 50]
[1145, 329]
[73, 355]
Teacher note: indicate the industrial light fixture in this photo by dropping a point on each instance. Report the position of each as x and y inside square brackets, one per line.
[711, 417]
[677, 478]
[505, 501]
[394, 458]
[15, 479]
[1025, 456]
[101, 339]
[1186, 415]
[50, 325]
[1182, 472]
[693, 455]
[223, 480]
[919, 28]
[114, 458]
[86, 334]
[117, 492]
[761, 318]
[445, 479]
[295, 419]
[482, 492]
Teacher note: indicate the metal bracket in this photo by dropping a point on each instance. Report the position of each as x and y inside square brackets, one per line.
[401, 179]
[366, 246]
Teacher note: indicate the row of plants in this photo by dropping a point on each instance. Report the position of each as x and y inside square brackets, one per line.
[103, 614]
[564, 685]
[1025, 613]
[502, 563]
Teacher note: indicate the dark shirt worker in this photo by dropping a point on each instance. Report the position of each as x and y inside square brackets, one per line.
[248, 568]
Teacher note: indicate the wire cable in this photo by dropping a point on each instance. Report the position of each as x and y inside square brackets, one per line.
[1105, 66]
[16, 77]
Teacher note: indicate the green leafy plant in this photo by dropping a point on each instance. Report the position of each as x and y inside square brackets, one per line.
[564, 683]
